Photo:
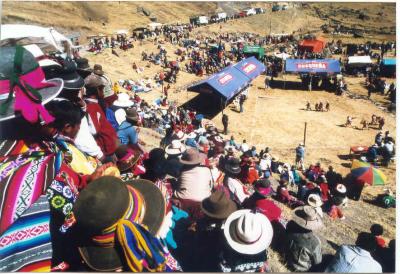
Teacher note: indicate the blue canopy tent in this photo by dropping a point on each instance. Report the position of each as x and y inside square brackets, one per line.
[307, 68]
[250, 67]
[312, 66]
[227, 83]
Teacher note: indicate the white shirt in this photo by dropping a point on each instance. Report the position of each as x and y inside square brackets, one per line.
[236, 188]
[85, 142]
[244, 147]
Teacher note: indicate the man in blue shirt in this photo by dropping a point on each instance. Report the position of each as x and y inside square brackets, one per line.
[356, 258]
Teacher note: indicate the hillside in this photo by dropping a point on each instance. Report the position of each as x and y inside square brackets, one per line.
[107, 17]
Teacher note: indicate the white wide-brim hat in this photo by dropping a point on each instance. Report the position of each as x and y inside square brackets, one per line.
[123, 101]
[314, 200]
[176, 147]
[247, 232]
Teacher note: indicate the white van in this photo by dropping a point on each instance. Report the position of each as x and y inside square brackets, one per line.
[250, 11]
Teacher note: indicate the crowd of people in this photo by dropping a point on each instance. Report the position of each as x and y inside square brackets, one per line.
[78, 182]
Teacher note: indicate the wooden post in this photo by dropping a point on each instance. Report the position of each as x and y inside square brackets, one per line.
[305, 133]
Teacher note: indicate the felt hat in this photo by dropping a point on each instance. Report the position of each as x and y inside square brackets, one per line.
[98, 69]
[108, 211]
[190, 157]
[126, 157]
[123, 101]
[307, 217]
[72, 80]
[176, 147]
[23, 87]
[247, 232]
[218, 206]
[83, 68]
[341, 188]
[233, 166]
[263, 187]
[314, 200]
[42, 59]
[94, 81]
[132, 115]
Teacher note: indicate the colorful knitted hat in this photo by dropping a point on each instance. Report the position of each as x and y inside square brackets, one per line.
[23, 87]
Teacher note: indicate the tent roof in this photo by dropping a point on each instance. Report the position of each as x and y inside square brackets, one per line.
[231, 80]
[250, 67]
[360, 60]
[20, 31]
[313, 66]
[226, 83]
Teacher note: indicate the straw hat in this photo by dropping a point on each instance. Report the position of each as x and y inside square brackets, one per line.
[314, 200]
[307, 217]
[176, 147]
[178, 135]
[247, 232]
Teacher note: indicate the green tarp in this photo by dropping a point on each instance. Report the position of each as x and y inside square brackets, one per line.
[256, 51]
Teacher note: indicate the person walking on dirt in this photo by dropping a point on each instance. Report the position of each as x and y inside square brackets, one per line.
[241, 101]
[381, 123]
[327, 107]
[266, 82]
[225, 120]
[308, 106]
[300, 151]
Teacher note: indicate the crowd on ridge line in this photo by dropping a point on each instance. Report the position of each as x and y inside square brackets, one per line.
[79, 185]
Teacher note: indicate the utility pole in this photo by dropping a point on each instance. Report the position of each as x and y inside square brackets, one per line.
[305, 133]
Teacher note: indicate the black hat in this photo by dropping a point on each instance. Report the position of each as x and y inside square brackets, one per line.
[68, 72]
[83, 69]
[233, 166]
[105, 202]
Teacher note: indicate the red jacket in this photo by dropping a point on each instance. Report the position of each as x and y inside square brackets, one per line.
[269, 209]
[105, 136]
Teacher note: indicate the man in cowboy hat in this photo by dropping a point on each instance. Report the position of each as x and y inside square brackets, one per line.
[248, 236]
[195, 181]
[232, 183]
[174, 150]
[303, 247]
[101, 129]
[300, 152]
[109, 95]
[209, 229]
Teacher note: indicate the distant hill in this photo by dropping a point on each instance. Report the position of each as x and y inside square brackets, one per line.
[107, 17]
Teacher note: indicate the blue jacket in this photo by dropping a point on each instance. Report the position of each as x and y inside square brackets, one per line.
[127, 133]
[349, 259]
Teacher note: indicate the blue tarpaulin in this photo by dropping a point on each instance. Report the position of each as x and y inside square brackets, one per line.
[313, 66]
[250, 67]
[227, 83]
[389, 62]
[230, 80]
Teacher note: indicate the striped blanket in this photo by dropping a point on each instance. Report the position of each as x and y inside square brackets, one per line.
[26, 245]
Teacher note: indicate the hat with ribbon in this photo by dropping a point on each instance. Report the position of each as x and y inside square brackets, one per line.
[98, 69]
[67, 72]
[126, 157]
[117, 223]
[314, 200]
[247, 232]
[23, 87]
[191, 157]
[83, 69]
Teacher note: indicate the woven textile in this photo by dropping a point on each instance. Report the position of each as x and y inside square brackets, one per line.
[26, 245]
[24, 176]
